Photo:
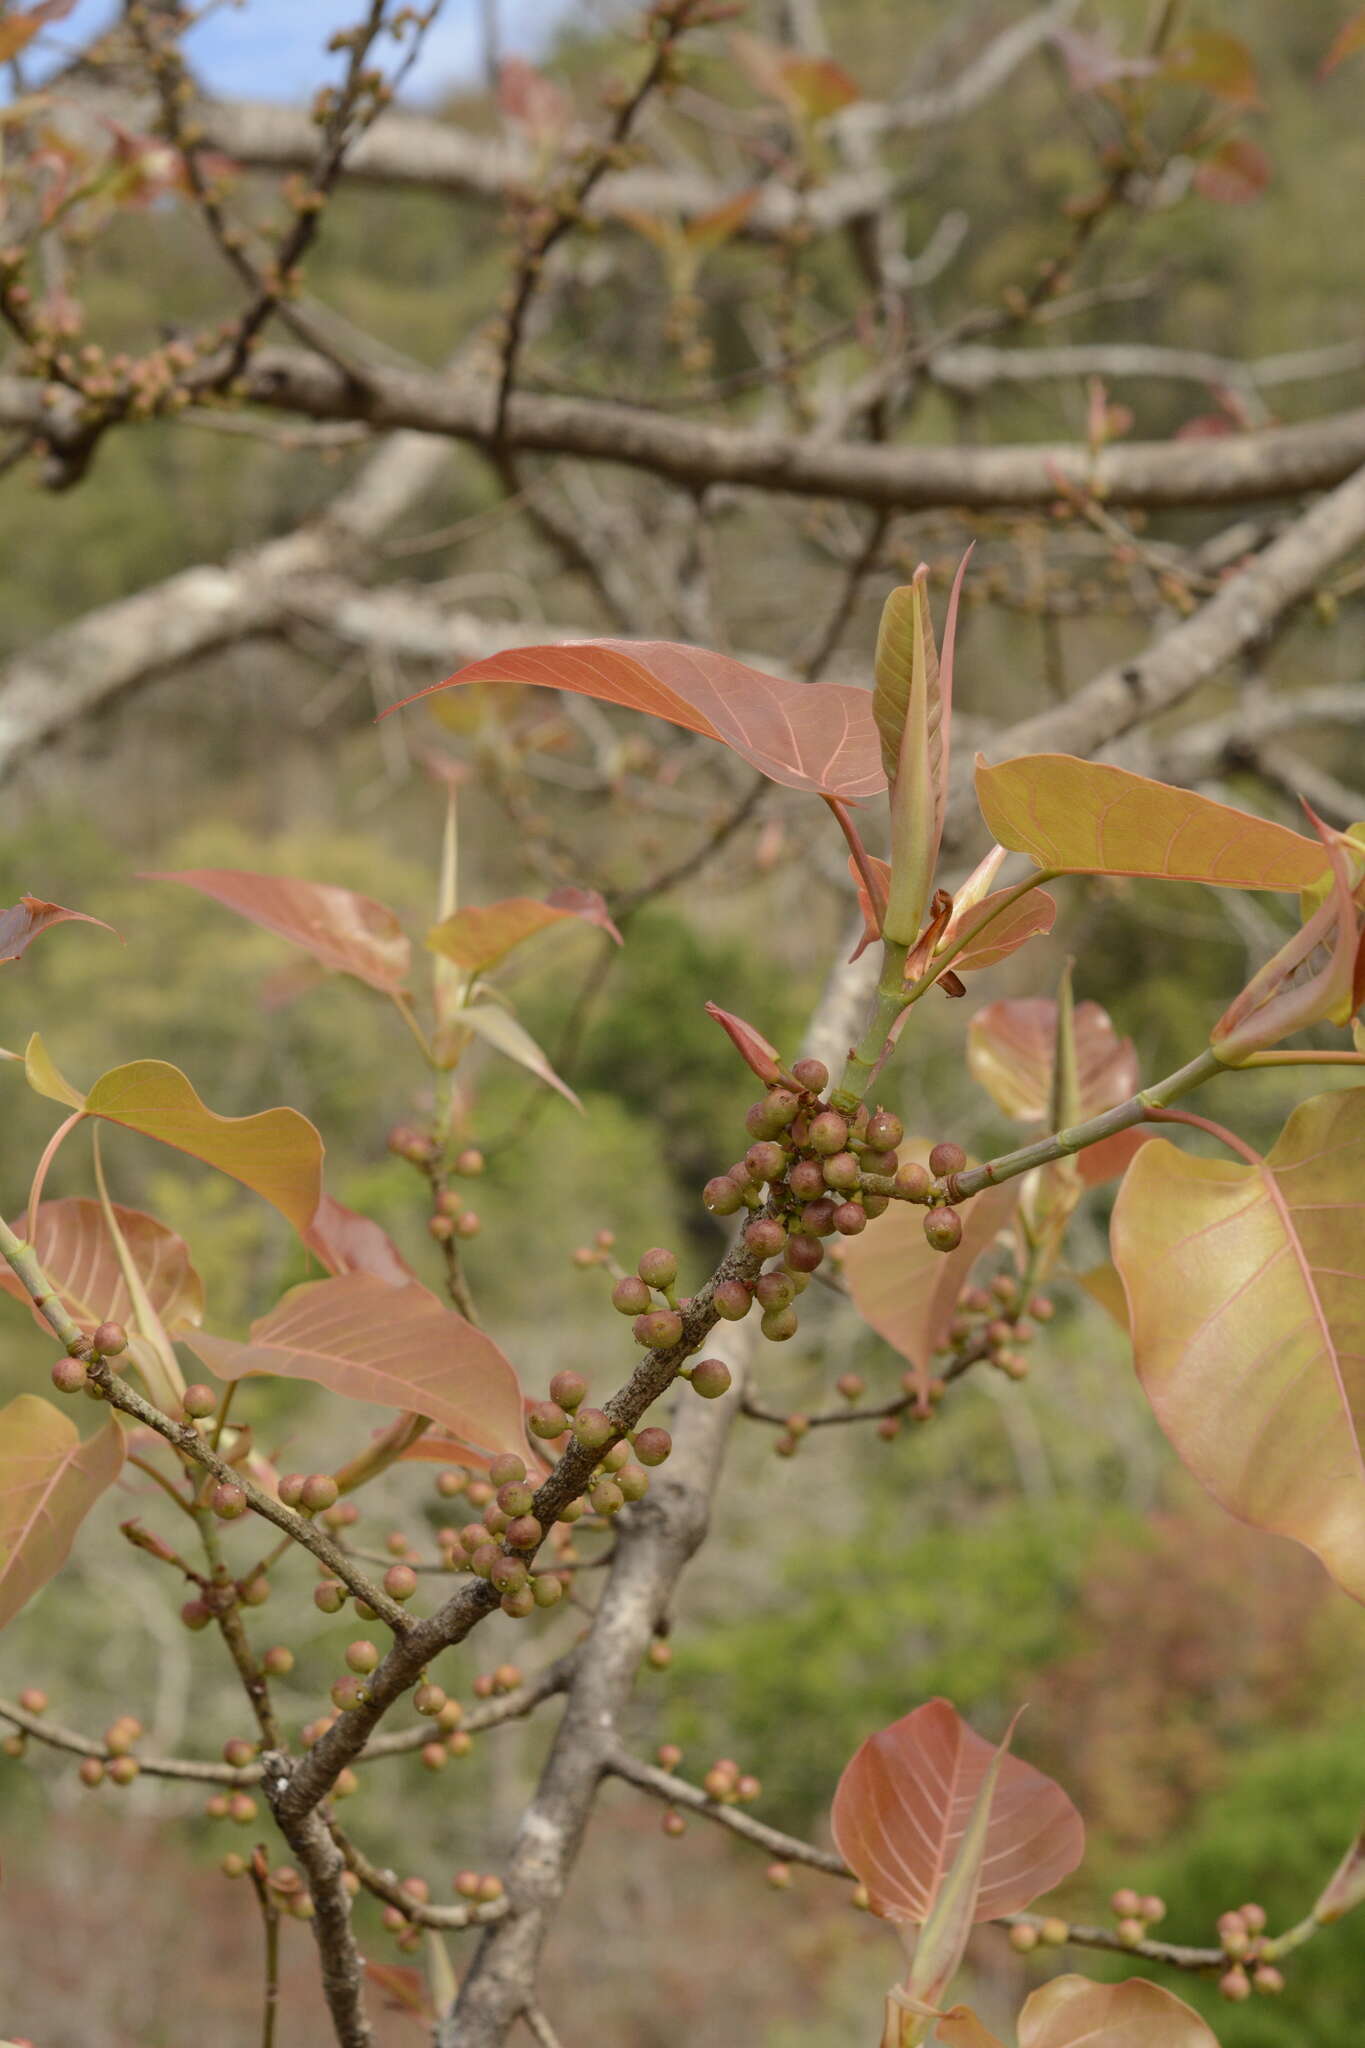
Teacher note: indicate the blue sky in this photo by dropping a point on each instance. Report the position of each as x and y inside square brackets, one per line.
[271, 49]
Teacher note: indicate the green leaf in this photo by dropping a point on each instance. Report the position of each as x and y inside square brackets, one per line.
[1246, 1300]
[498, 1028]
[1084, 817]
[49, 1480]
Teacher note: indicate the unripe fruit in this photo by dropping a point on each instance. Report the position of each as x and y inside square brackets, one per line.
[658, 1656]
[346, 1786]
[721, 1196]
[779, 1323]
[851, 1386]
[1005, 1288]
[33, 1700]
[913, 1181]
[710, 1378]
[278, 1661]
[943, 1229]
[508, 1575]
[592, 1429]
[1126, 1903]
[606, 1497]
[347, 1692]
[946, 1158]
[546, 1419]
[460, 1743]
[519, 1604]
[329, 1597]
[660, 1330]
[1153, 1910]
[1235, 1985]
[110, 1339]
[842, 1172]
[765, 1236]
[233, 1865]
[802, 1252]
[409, 1144]
[1023, 1939]
[812, 1074]
[828, 1132]
[254, 1592]
[124, 1769]
[569, 1390]
[630, 1296]
[91, 1771]
[469, 1162]
[441, 1227]
[884, 1131]
[817, 1218]
[449, 1484]
[1055, 1932]
[1253, 1918]
[875, 1205]
[516, 1498]
[658, 1267]
[362, 1656]
[216, 1808]
[547, 1589]
[523, 1532]
[400, 1582]
[732, 1300]
[227, 1501]
[291, 1489]
[779, 1876]
[673, 1822]
[435, 1755]
[806, 1180]
[198, 1401]
[1130, 1932]
[364, 1611]
[850, 1219]
[1267, 1980]
[774, 1290]
[507, 1469]
[766, 1160]
[68, 1376]
[652, 1445]
[320, 1492]
[633, 1481]
[884, 1164]
[1041, 1309]
[238, 1752]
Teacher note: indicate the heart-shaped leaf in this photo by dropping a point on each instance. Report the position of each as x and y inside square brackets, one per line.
[21, 924]
[49, 1480]
[476, 938]
[904, 1803]
[396, 1346]
[350, 933]
[277, 1153]
[1246, 1300]
[1071, 2012]
[75, 1250]
[815, 736]
[905, 1289]
[1084, 817]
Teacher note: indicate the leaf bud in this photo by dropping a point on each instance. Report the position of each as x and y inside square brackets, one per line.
[658, 1267]
[660, 1330]
[710, 1378]
[943, 1229]
[946, 1158]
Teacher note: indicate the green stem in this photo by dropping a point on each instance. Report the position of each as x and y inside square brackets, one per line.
[1301, 1059]
[856, 1078]
[958, 1186]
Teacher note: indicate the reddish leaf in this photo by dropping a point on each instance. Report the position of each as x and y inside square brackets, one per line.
[1010, 1048]
[1346, 1889]
[75, 1250]
[477, 938]
[815, 736]
[960, 2028]
[404, 1989]
[907, 1291]
[904, 1803]
[348, 1243]
[1235, 173]
[432, 1449]
[1002, 932]
[1215, 63]
[351, 933]
[1349, 41]
[753, 1047]
[532, 100]
[18, 30]
[21, 924]
[396, 1346]
[276, 1153]
[1084, 817]
[49, 1480]
[1071, 2012]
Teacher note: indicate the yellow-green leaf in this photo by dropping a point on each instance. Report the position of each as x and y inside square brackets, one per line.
[1246, 1300]
[1085, 817]
[44, 1076]
[276, 1153]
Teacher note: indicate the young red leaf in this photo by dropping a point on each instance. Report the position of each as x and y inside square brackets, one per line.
[1246, 1300]
[1002, 930]
[277, 1153]
[905, 1289]
[904, 1802]
[396, 1346]
[348, 1243]
[753, 1048]
[960, 2028]
[21, 924]
[1234, 174]
[18, 30]
[1348, 41]
[351, 933]
[72, 1243]
[1010, 1051]
[1311, 980]
[1084, 817]
[814, 736]
[1071, 2012]
[49, 1480]
[477, 938]
[403, 1988]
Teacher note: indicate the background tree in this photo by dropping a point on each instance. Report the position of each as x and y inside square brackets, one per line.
[701, 333]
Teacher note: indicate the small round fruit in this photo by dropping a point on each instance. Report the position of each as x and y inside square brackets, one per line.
[850, 1219]
[329, 1597]
[400, 1582]
[630, 1296]
[660, 1330]
[68, 1376]
[658, 1267]
[828, 1132]
[1023, 1938]
[652, 1445]
[842, 1172]
[198, 1401]
[592, 1428]
[711, 1378]
[227, 1501]
[320, 1492]
[469, 1162]
[778, 1325]
[765, 1236]
[732, 1300]
[947, 1158]
[851, 1385]
[91, 1771]
[943, 1229]
[884, 1131]
[802, 1252]
[546, 1419]
[278, 1660]
[362, 1657]
[774, 1290]
[913, 1181]
[569, 1389]
[766, 1160]
[547, 1589]
[721, 1196]
[812, 1074]
[110, 1339]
